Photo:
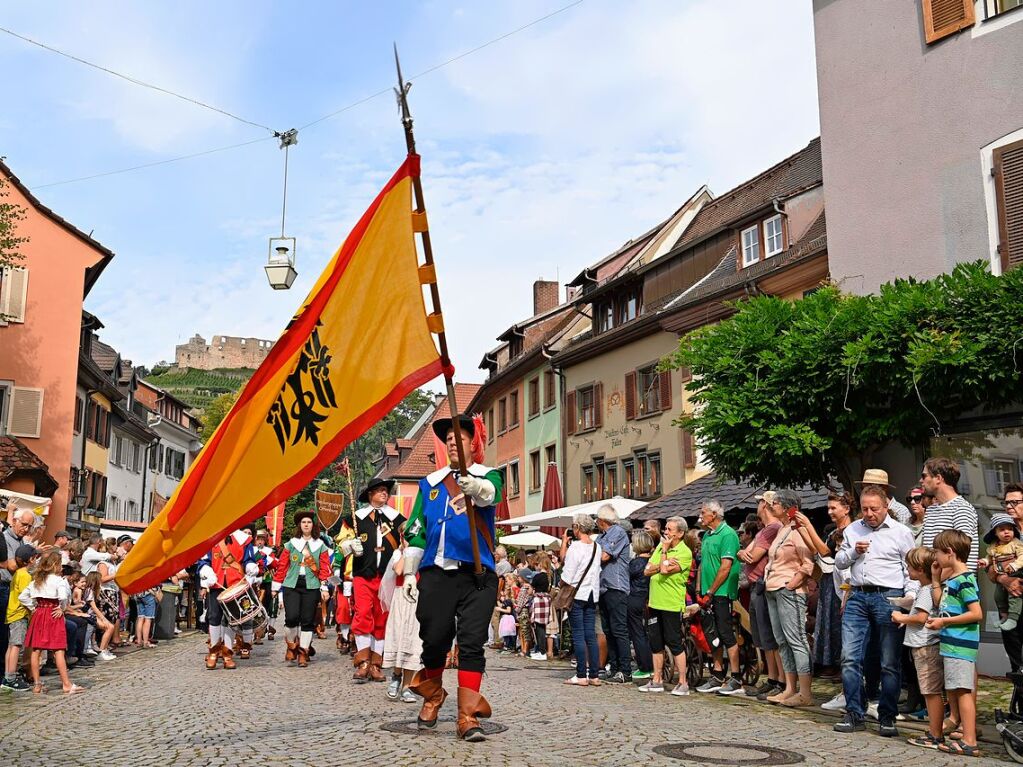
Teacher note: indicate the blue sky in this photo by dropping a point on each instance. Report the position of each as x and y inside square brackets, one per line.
[541, 153]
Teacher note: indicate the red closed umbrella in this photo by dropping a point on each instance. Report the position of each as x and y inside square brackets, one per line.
[502, 512]
[553, 497]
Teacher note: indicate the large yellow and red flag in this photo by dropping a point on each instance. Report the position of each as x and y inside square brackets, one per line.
[361, 342]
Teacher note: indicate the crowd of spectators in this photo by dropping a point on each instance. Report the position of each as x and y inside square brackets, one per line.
[61, 603]
[884, 599]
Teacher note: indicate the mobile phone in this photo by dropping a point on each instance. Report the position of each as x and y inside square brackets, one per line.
[792, 514]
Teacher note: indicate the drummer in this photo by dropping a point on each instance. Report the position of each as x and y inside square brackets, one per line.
[226, 565]
[302, 571]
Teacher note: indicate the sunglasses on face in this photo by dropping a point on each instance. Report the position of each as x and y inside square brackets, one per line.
[916, 498]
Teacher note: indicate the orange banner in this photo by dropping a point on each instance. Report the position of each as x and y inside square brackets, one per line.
[275, 524]
[358, 345]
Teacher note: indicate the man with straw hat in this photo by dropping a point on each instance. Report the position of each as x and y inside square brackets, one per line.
[896, 509]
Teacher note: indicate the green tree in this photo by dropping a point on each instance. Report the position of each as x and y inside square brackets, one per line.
[214, 413]
[10, 243]
[790, 393]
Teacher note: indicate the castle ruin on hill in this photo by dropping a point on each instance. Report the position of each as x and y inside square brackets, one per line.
[221, 352]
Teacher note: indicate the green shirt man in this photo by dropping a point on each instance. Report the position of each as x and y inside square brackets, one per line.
[720, 542]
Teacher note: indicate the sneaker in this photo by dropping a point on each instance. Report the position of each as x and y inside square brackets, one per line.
[681, 690]
[107, 655]
[619, 678]
[178, 631]
[602, 674]
[392, 689]
[849, 724]
[711, 685]
[888, 730]
[732, 687]
[767, 688]
[90, 652]
[872, 709]
[652, 687]
[86, 662]
[15, 685]
[641, 676]
[538, 656]
[835, 704]
[408, 697]
[774, 689]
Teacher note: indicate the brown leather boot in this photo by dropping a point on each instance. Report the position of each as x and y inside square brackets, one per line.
[238, 643]
[270, 633]
[228, 655]
[244, 650]
[361, 663]
[321, 631]
[312, 651]
[289, 654]
[433, 694]
[303, 657]
[471, 708]
[375, 674]
[212, 656]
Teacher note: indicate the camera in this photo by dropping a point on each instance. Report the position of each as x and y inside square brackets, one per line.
[570, 534]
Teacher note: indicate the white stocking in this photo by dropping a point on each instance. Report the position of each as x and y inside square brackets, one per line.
[363, 641]
[305, 639]
[229, 637]
[345, 628]
[216, 635]
[378, 646]
[248, 635]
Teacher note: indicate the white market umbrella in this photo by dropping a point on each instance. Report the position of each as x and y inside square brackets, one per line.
[531, 540]
[624, 508]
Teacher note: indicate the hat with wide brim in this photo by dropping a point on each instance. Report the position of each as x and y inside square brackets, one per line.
[304, 514]
[875, 477]
[1000, 519]
[442, 426]
[373, 485]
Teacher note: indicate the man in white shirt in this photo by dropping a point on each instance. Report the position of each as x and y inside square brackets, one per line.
[874, 549]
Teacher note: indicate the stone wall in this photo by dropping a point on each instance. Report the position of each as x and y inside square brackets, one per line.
[221, 352]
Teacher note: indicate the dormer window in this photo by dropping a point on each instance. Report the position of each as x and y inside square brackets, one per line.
[750, 246]
[515, 347]
[772, 236]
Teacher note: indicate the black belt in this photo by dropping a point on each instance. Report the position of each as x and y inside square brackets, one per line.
[875, 589]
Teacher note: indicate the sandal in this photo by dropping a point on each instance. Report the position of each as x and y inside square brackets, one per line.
[950, 726]
[580, 681]
[957, 733]
[74, 690]
[958, 748]
[926, 741]
[38, 688]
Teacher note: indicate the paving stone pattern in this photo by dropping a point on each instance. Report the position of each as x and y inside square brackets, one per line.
[161, 707]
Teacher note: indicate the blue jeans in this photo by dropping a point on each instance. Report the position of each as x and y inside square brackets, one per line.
[865, 613]
[614, 617]
[582, 617]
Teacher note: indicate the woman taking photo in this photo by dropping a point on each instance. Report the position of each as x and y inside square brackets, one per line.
[582, 570]
[827, 635]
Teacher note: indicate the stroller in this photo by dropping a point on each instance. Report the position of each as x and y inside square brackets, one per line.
[1010, 723]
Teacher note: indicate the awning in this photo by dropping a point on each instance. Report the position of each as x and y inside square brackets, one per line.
[624, 507]
[531, 540]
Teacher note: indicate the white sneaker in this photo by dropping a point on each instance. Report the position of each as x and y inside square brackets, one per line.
[680, 690]
[90, 652]
[107, 655]
[537, 656]
[652, 687]
[835, 704]
[177, 631]
[872, 709]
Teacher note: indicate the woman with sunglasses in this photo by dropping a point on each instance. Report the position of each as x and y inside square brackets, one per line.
[918, 503]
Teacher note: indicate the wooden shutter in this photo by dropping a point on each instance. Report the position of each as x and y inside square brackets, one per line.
[688, 449]
[570, 414]
[79, 407]
[13, 294]
[630, 395]
[685, 374]
[598, 405]
[946, 17]
[26, 412]
[1008, 173]
[665, 381]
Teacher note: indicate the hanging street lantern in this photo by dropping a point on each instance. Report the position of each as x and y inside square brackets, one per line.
[280, 263]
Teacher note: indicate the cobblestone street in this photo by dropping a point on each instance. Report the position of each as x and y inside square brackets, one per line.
[161, 707]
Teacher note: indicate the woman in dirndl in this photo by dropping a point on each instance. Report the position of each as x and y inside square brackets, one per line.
[403, 648]
[46, 596]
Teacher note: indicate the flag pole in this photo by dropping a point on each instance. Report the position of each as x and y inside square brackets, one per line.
[417, 186]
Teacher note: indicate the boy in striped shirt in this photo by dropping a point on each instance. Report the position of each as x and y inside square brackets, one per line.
[958, 626]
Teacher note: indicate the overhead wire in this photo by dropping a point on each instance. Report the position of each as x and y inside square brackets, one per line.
[134, 80]
[276, 134]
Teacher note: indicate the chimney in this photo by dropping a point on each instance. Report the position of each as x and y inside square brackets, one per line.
[545, 296]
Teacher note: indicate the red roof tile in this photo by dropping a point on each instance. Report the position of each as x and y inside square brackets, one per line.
[16, 458]
[419, 461]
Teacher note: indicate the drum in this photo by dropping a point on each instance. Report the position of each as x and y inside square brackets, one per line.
[241, 605]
